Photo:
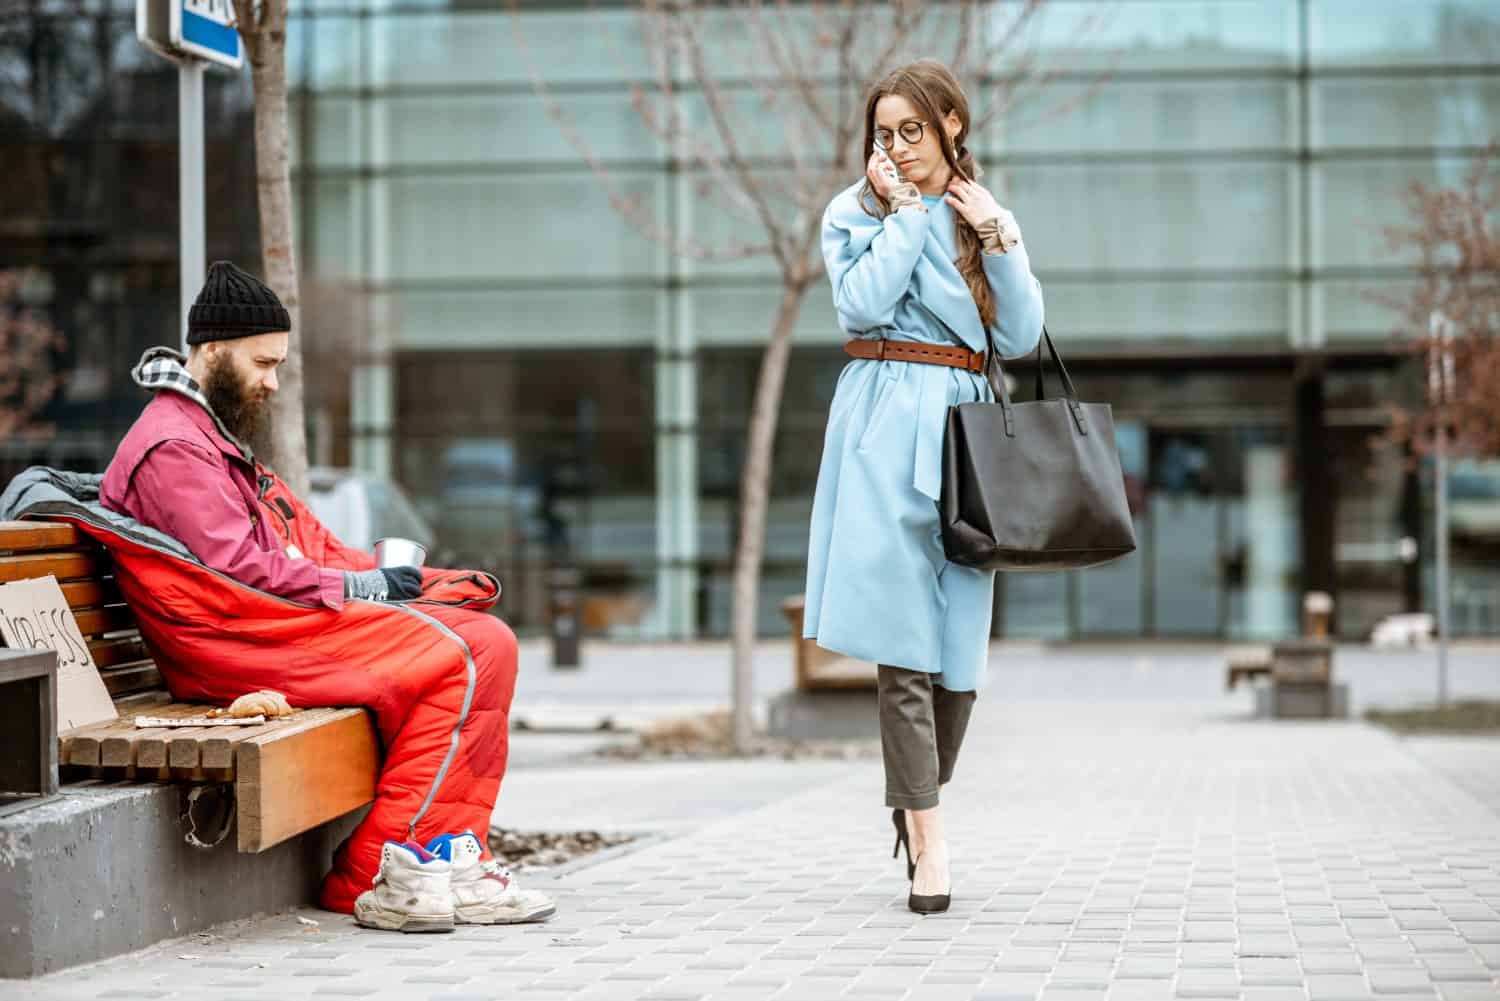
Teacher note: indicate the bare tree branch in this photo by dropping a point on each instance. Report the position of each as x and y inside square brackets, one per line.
[714, 97]
[963, 48]
[679, 129]
[1456, 237]
[631, 207]
[999, 95]
[790, 64]
[692, 152]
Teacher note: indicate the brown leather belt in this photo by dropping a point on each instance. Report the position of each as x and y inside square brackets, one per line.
[927, 354]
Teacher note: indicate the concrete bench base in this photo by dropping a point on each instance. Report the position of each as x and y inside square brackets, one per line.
[823, 715]
[103, 869]
[1301, 700]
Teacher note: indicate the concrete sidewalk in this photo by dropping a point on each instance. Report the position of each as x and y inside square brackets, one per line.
[1119, 831]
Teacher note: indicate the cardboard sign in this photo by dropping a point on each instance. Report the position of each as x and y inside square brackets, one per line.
[34, 614]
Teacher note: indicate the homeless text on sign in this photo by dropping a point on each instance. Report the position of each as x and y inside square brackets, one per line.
[47, 628]
[34, 614]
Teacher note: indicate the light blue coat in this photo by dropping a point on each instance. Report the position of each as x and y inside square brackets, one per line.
[878, 586]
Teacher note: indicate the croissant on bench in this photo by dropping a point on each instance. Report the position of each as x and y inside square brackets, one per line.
[262, 703]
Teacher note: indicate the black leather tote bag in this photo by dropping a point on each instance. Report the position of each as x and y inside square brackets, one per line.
[1035, 485]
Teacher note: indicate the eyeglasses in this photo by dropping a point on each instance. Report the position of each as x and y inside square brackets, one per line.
[911, 134]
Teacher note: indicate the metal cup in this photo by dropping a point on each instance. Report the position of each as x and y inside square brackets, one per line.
[395, 552]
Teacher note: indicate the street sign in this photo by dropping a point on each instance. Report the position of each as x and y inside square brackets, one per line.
[198, 29]
[205, 28]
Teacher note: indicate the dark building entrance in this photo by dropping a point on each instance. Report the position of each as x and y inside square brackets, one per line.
[1252, 480]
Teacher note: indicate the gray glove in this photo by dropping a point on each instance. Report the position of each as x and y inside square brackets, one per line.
[384, 584]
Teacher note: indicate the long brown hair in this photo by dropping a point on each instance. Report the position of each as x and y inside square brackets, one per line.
[934, 92]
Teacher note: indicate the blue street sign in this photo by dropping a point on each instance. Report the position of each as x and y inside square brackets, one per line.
[205, 28]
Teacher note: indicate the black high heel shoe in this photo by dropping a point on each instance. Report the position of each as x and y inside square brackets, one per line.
[898, 818]
[928, 903]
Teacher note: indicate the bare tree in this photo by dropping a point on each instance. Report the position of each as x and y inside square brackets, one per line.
[1456, 239]
[262, 26]
[30, 345]
[765, 103]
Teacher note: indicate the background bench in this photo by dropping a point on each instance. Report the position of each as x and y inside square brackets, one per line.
[289, 775]
[1247, 663]
[818, 669]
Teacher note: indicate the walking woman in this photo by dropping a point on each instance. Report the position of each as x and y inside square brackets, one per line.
[927, 270]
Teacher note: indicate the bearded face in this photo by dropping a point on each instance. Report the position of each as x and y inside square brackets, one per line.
[236, 395]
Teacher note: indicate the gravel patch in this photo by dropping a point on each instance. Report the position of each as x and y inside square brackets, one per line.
[533, 850]
[706, 736]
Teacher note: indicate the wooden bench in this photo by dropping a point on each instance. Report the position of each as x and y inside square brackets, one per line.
[1302, 679]
[1247, 663]
[819, 669]
[289, 775]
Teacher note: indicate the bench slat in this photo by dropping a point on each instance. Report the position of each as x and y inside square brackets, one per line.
[104, 619]
[88, 593]
[120, 747]
[119, 743]
[302, 776]
[80, 745]
[182, 748]
[185, 748]
[129, 679]
[150, 746]
[216, 753]
[63, 566]
[152, 743]
[125, 650]
[22, 536]
[117, 748]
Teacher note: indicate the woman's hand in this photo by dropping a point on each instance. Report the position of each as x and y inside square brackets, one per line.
[975, 203]
[882, 175]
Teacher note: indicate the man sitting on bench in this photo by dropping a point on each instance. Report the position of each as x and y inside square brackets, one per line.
[274, 601]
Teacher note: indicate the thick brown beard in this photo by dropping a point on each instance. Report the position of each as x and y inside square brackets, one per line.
[236, 405]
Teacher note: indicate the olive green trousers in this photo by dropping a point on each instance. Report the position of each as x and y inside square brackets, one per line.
[922, 726]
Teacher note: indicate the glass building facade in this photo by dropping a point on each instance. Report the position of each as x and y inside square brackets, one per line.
[552, 387]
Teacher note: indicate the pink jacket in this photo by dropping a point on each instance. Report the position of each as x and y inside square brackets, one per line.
[178, 474]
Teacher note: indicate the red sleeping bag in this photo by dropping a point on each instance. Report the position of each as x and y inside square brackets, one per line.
[438, 671]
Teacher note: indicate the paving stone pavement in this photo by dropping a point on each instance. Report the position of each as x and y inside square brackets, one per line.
[1101, 851]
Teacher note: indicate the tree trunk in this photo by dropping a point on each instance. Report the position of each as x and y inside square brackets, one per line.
[755, 488]
[266, 53]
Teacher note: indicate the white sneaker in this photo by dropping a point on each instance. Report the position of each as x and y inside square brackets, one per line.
[412, 892]
[484, 891]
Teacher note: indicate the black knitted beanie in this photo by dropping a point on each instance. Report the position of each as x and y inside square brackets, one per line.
[234, 303]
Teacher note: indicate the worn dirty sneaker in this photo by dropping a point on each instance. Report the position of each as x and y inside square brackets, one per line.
[484, 891]
[412, 892]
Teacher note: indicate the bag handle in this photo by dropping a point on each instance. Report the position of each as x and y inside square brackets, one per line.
[1062, 370]
[1070, 395]
[996, 377]
[995, 373]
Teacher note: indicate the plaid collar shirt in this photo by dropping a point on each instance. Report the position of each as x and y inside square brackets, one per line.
[164, 368]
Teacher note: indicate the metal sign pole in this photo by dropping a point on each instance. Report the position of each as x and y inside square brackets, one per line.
[191, 33]
[1439, 379]
[190, 152]
[1442, 566]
